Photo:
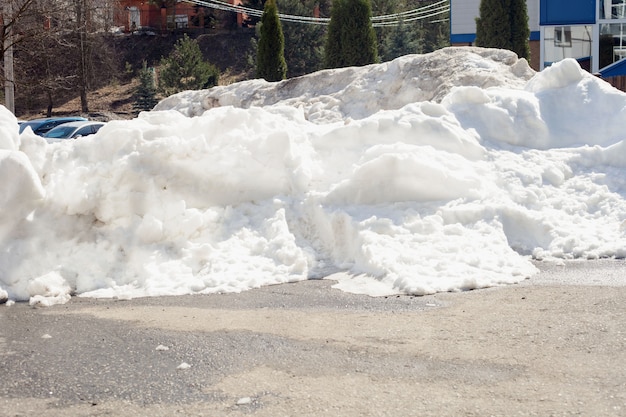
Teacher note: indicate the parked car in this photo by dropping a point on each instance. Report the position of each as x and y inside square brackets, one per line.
[42, 126]
[144, 31]
[73, 130]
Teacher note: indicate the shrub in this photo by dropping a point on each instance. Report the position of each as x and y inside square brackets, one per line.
[145, 94]
[186, 69]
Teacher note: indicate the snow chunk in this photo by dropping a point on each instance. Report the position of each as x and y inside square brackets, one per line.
[48, 290]
[9, 131]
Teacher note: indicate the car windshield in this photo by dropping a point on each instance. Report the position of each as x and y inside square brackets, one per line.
[60, 132]
[24, 125]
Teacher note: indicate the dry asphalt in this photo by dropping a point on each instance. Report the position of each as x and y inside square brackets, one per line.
[554, 345]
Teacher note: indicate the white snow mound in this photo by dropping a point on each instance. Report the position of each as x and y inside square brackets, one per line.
[440, 172]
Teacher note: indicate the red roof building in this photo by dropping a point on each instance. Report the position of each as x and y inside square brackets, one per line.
[133, 15]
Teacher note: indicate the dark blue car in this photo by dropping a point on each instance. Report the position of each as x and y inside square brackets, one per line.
[42, 126]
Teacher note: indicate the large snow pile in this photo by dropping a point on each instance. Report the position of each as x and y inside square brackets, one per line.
[357, 92]
[439, 172]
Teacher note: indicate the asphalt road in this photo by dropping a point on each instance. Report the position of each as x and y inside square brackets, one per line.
[554, 345]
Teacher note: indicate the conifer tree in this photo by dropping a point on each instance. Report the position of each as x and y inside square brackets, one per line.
[270, 57]
[333, 56]
[186, 69]
[351, 39]
[435, 36]
[492, 25]
[504, 24]
[145, 95]
[520, 31]
[400, 41]
[304, 44]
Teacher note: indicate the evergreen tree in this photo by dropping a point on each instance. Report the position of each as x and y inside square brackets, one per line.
[333, 55]
[384, 32]
[410, 37]
[399, 42]
[186, 69]
[520, 31]
[270, 55]
[351, 38]
[493, 28]
[436, 36]
[145, 94]
[504, 24]
[303, 43]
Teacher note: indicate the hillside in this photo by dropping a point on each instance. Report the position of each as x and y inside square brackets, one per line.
[114, 100]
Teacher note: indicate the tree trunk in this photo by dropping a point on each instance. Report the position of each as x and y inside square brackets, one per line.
[9, 80]
[81, 20]
[50, 104]
[84, 105]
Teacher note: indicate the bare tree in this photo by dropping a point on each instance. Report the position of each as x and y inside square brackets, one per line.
[12, 11]
[92, 18]
[67, 45]
[48, 69]
[82, 27]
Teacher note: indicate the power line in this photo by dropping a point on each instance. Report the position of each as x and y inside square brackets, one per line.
[394, 19]
[410, 19]
[441, 5]
[216, 4]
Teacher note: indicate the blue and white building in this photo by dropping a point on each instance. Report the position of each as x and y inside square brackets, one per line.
[590, 31]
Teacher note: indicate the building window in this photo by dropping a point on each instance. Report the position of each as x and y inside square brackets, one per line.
[563, 36]
[612, 43]
[613, 9]
[178, 21]
[567, 42]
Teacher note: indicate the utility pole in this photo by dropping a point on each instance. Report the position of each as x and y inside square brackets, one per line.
[9, 79]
